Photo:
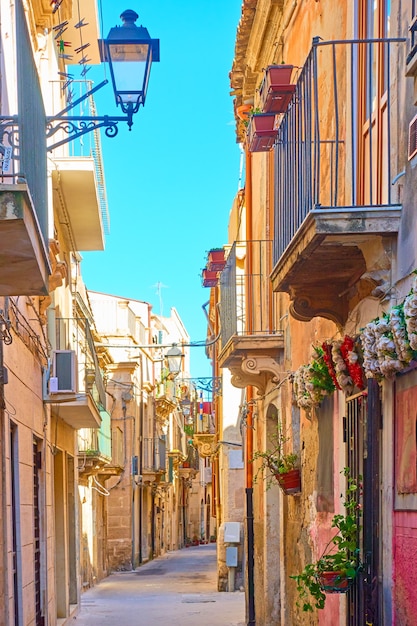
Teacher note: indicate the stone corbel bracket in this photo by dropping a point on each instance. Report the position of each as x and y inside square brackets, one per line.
[254, 360]
[256, 371]
[205, 444]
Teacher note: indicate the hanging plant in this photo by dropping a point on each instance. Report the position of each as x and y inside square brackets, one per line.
[370, 355]
[313, 382]
[410, 315]
[341, 369]
[341, 557]
[389, 363]
[320, 376]
[399, 334]
[327, 356]
[350, 353]
[303, 397]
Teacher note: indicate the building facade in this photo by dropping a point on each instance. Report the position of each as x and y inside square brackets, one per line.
[320, 278]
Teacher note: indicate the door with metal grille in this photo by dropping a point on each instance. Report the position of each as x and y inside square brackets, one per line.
[39, 620]
[15, 501]
[362, 436]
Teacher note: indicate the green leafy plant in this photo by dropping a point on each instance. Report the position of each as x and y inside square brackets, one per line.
[341, 554]
[274, 460]
[253, 111]
[319, 372]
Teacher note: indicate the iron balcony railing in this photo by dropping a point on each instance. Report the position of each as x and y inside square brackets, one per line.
[247, 302]
[334, 141]
[154, 454]
[75, 334]
[24, 131]
[97, 441]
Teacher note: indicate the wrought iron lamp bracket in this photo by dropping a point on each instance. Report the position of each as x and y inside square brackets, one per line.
[9, 134]
[73, 126]
[76, 126]
[211, 384]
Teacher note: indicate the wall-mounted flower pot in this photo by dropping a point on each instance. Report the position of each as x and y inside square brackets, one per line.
[334, 582]
[210, 279]
[276, 89]
[290, 482]
[216, 260]
[262, 132]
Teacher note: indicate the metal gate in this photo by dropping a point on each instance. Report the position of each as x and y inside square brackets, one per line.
[39, 620]
[362, 437]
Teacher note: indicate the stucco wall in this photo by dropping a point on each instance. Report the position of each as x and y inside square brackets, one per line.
[405, 571]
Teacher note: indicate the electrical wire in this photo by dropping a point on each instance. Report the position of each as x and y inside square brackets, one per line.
[101, 489]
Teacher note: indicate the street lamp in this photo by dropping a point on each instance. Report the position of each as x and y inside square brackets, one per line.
[174, 358]
[129, 51]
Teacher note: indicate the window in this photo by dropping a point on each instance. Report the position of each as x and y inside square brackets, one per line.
[413, 31]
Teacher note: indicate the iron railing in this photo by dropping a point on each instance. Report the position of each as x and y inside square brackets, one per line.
[97, 441]
[335, 135]
[154, 454]
[75, 334]
[247, 302]
[31, 147]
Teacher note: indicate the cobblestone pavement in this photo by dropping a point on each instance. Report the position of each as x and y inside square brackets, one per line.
[178, 589]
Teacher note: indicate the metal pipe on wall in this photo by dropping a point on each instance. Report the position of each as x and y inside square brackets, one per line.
[249, 424]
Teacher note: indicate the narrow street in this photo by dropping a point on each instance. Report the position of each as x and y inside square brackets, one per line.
[179, 588]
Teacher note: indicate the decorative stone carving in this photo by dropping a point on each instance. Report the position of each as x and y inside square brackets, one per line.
[163, 408]
[254, 360]
[59, 270]
[336, 260]
[205, 443]
[256, 371]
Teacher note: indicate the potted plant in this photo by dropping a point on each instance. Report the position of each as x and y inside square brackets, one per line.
[337, 567]
[279, 466]
[216, 260]
[210, 279]
[276, 90]
[262, 132]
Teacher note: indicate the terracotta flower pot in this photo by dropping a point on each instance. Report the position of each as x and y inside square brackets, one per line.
[216, 261]
[290, 482]
[276, 90]
[334, 582]
[262, 132]
[210, 279]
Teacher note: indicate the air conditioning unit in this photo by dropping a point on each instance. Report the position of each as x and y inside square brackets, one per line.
[63, 378]
[412, 138]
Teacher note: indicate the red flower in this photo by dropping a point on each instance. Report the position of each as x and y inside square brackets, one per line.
[351, 358]
[327, 349]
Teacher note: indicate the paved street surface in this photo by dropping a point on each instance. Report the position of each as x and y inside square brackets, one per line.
[178, 589]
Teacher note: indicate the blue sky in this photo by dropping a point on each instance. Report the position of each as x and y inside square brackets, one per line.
[171, 180]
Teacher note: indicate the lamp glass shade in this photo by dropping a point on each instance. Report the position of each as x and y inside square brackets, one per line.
[130, 52]
[130, 68]
[174, 357]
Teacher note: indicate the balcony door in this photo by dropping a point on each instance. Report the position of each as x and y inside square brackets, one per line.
[373, 106]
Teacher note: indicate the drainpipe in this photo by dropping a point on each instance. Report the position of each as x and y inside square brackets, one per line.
[140, 460]
[249, 423]
[3, 439]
